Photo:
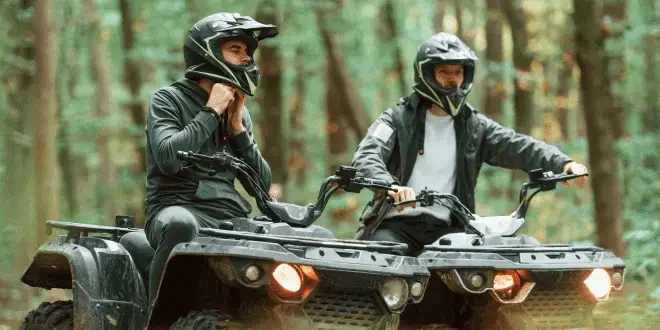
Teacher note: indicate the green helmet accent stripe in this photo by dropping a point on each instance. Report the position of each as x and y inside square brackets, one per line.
[250, 83]
[435, 99]
[209, 52]
[454, 110]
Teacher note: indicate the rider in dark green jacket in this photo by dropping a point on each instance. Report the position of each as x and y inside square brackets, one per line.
[202, 113]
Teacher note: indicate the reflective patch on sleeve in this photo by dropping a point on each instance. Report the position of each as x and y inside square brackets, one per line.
[383, 132]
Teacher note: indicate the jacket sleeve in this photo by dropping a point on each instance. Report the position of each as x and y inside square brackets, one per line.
[245, 148]
[506, 148]
[167, 135]
[375, 149]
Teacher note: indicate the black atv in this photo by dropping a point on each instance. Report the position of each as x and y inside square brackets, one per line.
[487, 277]
[276, 271]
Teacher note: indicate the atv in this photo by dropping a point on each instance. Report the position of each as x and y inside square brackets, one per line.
[276, 271]
[488, 277]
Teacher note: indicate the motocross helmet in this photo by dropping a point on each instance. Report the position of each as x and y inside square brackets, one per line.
[444, 48]
[201, 50]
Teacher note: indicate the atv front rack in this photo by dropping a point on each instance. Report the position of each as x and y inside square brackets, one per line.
[77, 230]
[373, 246]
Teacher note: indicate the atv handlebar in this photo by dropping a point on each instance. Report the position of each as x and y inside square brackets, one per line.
[346, 178]
[542, 181]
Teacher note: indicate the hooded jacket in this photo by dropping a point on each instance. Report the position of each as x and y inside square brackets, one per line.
[176, 123]
[394, 140]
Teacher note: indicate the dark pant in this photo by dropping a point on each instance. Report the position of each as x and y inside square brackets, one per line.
[151, 249]
[171, 226]
[416, 231]
[138, 247]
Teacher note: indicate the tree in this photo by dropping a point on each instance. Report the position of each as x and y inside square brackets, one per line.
[336, 137]
[564, 79]
[495, 90]
[439, 16]
[603, 166]
[69, 163]
[133, 80]
[101, 76]
[298, 163]
[270, 97]
[652, 39]
[17, 187]
[391, 35]
[614, 25]
[351, 108]
[464, 29]
[47, 192]
[522, 61]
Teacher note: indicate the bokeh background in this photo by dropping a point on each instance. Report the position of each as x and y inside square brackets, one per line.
[76, 79]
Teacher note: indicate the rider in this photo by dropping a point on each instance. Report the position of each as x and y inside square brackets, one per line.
[434, 139]
[205, 113]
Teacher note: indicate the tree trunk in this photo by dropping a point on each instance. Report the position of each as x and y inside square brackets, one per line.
[101, 77]
[651, 122]
[464, 29]
[336, 136]
[270, 98]
[495, 88]
[17, 187]
[66, 85]
[615, 62]
[351, 108]
[133, 80]
[564, 82]
[298, 163]
[522, 61]
[607, 188]
[47, 192]
[460, 27]
[391, 38]
[439, 17]
[193, 13]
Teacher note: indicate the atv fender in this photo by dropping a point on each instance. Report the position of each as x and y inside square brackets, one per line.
[108, 292]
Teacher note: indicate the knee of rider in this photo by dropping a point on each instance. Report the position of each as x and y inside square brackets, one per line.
[131, 241]
[182, 227]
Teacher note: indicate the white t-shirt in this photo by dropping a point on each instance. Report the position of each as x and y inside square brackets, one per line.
[436, 168]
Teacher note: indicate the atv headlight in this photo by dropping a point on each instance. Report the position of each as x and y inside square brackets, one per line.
[292, 283]
[394, 292]
[287, 277]
[599, 283]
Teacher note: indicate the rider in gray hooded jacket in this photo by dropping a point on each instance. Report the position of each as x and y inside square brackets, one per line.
[395, 143]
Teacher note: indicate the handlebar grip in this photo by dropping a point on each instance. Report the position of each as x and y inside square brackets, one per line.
[181, 155]
[377, 182]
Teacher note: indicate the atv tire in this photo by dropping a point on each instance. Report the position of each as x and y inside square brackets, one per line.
[205, 320]
[56, 315]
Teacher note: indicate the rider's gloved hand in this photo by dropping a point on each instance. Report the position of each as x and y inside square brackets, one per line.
[402, 194]
[575, 168]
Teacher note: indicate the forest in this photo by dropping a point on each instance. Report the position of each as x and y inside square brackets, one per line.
[76, 79]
